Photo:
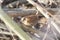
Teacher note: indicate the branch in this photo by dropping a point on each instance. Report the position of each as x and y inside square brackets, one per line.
[20, 12]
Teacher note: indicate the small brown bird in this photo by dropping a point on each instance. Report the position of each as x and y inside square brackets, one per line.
[30, 20]
[34, 20]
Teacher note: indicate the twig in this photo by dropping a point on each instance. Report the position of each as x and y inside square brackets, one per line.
[6, 33]
[48, 27]
[20, 12]
[55, 35]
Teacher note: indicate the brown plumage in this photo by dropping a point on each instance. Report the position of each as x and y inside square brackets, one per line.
[34, 20]
[30, 20]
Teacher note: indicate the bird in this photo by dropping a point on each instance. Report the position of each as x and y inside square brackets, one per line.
[34, 21]
[30, 20]
[37, 20]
